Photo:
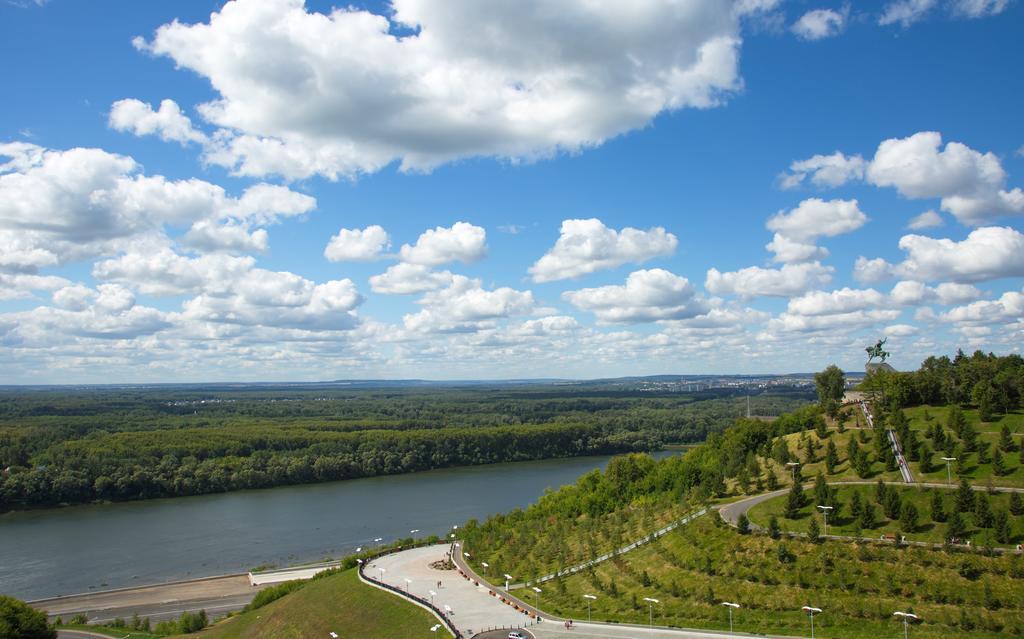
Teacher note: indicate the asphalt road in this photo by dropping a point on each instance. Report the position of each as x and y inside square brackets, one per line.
[216, 596]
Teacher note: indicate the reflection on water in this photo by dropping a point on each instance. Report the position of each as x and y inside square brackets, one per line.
[77, 549]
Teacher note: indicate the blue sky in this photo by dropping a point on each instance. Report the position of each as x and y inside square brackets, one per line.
[510, 189]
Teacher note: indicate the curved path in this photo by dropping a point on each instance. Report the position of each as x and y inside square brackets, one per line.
[731, 512]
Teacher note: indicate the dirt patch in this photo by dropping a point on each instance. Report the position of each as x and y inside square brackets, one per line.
[444, 564]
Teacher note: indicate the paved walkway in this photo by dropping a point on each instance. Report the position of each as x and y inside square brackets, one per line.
[472, 608]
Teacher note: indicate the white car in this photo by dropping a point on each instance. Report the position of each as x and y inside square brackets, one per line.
[515, 635]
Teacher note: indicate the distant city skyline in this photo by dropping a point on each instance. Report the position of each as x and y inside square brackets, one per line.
[275, 190]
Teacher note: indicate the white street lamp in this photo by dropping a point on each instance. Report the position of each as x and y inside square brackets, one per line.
[408, 582]
[650, 609]
[432, 595]
[824, 512]
[793, 466]
[378, 540]
[811, 610]
[508, 578]
[485, 564]
[447, 609]
[536, 596]
[414, 531]
[359, 549]
[589, 598]
[949, 474]
[907, 616]
[466, 554]
[435, 628]
[382, 571]
[730, 605]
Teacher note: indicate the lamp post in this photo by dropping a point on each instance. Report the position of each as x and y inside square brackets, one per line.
[536, 596]
[730, 605]
[432, 595]
[907, 616]
[589, 598]
[949, 474]
[485, 564]
[408, 582]
[824, 513]
[508, 578]
[793, 466]
[650, 610]
[811, 610]
[435, 628]
[382, 571]
[414, 531]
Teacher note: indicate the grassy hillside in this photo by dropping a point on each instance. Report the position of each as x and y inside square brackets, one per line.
[841, 521]
[339, 603]
[693, 569]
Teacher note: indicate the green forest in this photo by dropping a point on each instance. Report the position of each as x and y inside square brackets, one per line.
[64, 446]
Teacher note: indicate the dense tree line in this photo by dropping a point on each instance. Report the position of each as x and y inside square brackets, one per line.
[992, 383]
[82, 446]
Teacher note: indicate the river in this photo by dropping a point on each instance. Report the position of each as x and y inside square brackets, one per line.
[77, 549]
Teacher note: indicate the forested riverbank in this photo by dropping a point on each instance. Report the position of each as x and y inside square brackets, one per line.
[62, 446]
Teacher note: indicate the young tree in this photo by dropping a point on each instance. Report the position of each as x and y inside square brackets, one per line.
[1005, 440]
[773, 528]
[1001, 526]
[856, 505]
[955, 527]
[984, 455]
[924, 456]
[743, 524]
[938, 507]
[831, 458]
[908, 517]
[813, 530]
[1016, 504]
[794, 501]
[773, 480]
[862, 465]
[810, 451]
[881, 492]
[867, 515]
[998, 463]
[822, 493]
[893, 505]
[964, 499]
[982, 511]
[955, 420]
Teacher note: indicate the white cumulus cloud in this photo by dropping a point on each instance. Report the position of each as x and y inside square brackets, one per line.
[461, 242]
[818, 24]
[358, 245]
[754, 281]
[824, 170]
[905, 12]
[647, 296]
[168, 121]
[798, 229]
[586, 246]
[926, 220]
[506, 78]
[406, 279]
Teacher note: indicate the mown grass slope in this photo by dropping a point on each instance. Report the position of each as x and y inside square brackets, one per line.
[339, 603]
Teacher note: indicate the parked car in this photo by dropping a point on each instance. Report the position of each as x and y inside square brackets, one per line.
[515, 634]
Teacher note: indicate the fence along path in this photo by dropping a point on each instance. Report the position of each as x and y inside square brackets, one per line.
[636, 544]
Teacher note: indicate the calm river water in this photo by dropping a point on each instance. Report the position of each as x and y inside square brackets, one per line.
[77, 549]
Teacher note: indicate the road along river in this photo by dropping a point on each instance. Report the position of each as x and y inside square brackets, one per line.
[83, 549]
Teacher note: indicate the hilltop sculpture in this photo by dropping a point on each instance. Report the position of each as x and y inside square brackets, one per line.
[878, 351]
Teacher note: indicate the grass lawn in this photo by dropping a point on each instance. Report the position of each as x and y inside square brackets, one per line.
[693, 569]
[339, 603]
[845, 524]
[922, 418]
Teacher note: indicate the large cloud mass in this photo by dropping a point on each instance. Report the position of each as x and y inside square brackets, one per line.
[441, 80]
